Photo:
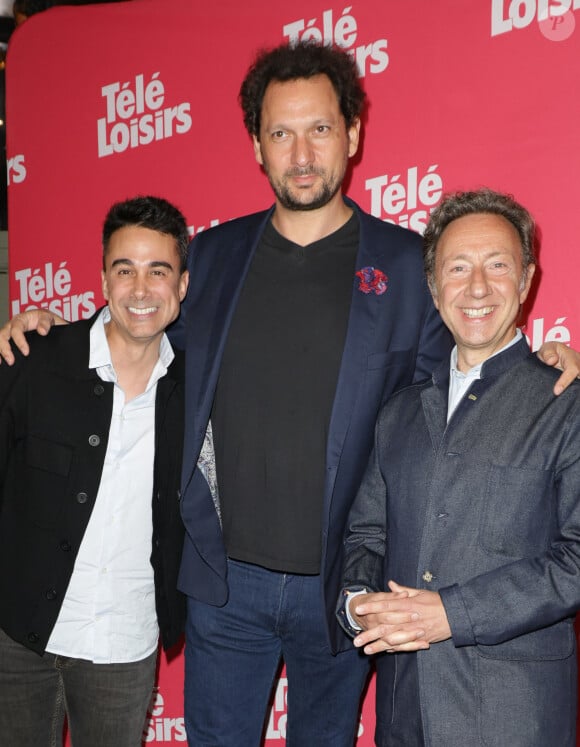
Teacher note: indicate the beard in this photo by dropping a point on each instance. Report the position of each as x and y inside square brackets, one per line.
[313, 198]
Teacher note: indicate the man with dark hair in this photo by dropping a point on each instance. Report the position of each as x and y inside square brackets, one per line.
[469, 513]
[302, 319]
[91, 428]
[284, 63]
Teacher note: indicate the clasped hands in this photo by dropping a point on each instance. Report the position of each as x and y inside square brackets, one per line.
[402, 619]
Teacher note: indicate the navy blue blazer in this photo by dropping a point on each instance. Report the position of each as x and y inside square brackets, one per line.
[392, 340]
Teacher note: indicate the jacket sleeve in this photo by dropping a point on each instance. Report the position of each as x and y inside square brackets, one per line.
[365, 540]
[11, 381]
[532, 592]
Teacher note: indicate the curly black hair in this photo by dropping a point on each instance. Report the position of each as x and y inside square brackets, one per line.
[302, 60]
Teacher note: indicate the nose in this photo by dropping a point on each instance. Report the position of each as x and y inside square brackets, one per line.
[140, 285]
[303, 152]
[478, 285]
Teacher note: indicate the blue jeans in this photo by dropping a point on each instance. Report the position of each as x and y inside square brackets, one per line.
[105, 704]
[233, 652]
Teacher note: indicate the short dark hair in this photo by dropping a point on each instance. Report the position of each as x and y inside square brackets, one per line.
[459, 204]
[154, 213]
[302, 60]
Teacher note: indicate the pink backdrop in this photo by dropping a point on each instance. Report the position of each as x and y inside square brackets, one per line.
[108, 101]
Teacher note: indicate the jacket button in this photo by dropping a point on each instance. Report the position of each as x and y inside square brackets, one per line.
[98, 389]
[33, 637]
[428, 577]
[82, 497]
[50, 594]
[65, 546]
[94, 440]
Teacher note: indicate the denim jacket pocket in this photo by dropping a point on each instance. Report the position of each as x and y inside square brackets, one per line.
[546, 644]
[517, 516]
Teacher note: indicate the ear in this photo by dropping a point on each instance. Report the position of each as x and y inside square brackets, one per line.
[183, 284]
[104, 286]
[353, 134]
[257, 150]
[529, 274]
[433, 290]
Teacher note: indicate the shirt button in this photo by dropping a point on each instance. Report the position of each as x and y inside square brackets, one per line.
[82, 497]
[94, 440]
[50, 594]
[65, 546]
[98, 389]
[33, 637]
[428, 577]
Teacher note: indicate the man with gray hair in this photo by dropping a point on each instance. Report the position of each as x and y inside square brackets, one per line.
[469, 513]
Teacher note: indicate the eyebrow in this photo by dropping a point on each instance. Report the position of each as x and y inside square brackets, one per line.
[489, 255]
[154, 263]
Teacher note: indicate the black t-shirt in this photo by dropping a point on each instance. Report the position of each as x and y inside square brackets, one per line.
[274, 398]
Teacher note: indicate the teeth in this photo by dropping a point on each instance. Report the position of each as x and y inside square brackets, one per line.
[140, 312]
[476, 313]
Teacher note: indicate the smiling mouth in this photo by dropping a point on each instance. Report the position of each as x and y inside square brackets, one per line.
[142, 312]
[478, 313]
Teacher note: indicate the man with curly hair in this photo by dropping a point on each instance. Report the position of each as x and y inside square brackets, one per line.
[301, 320]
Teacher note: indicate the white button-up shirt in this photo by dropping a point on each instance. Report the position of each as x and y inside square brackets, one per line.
[108, 614]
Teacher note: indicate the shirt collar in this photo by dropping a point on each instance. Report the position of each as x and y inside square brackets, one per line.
[100, 353]
[475, 371]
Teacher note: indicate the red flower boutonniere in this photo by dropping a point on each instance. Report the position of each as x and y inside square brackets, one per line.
[372, 280]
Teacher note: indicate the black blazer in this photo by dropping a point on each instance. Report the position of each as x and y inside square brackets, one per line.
[55, 415]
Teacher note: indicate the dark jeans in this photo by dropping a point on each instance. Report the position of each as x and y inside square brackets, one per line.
[105, 704]
[232, 654]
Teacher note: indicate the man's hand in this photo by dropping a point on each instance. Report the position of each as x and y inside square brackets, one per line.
[406, 619]
[566, 359]
[40, 320]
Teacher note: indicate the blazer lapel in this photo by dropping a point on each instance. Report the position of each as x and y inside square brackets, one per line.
[365, 311]
[206, 337]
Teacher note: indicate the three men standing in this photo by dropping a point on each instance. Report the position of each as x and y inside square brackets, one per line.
[299, 323]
